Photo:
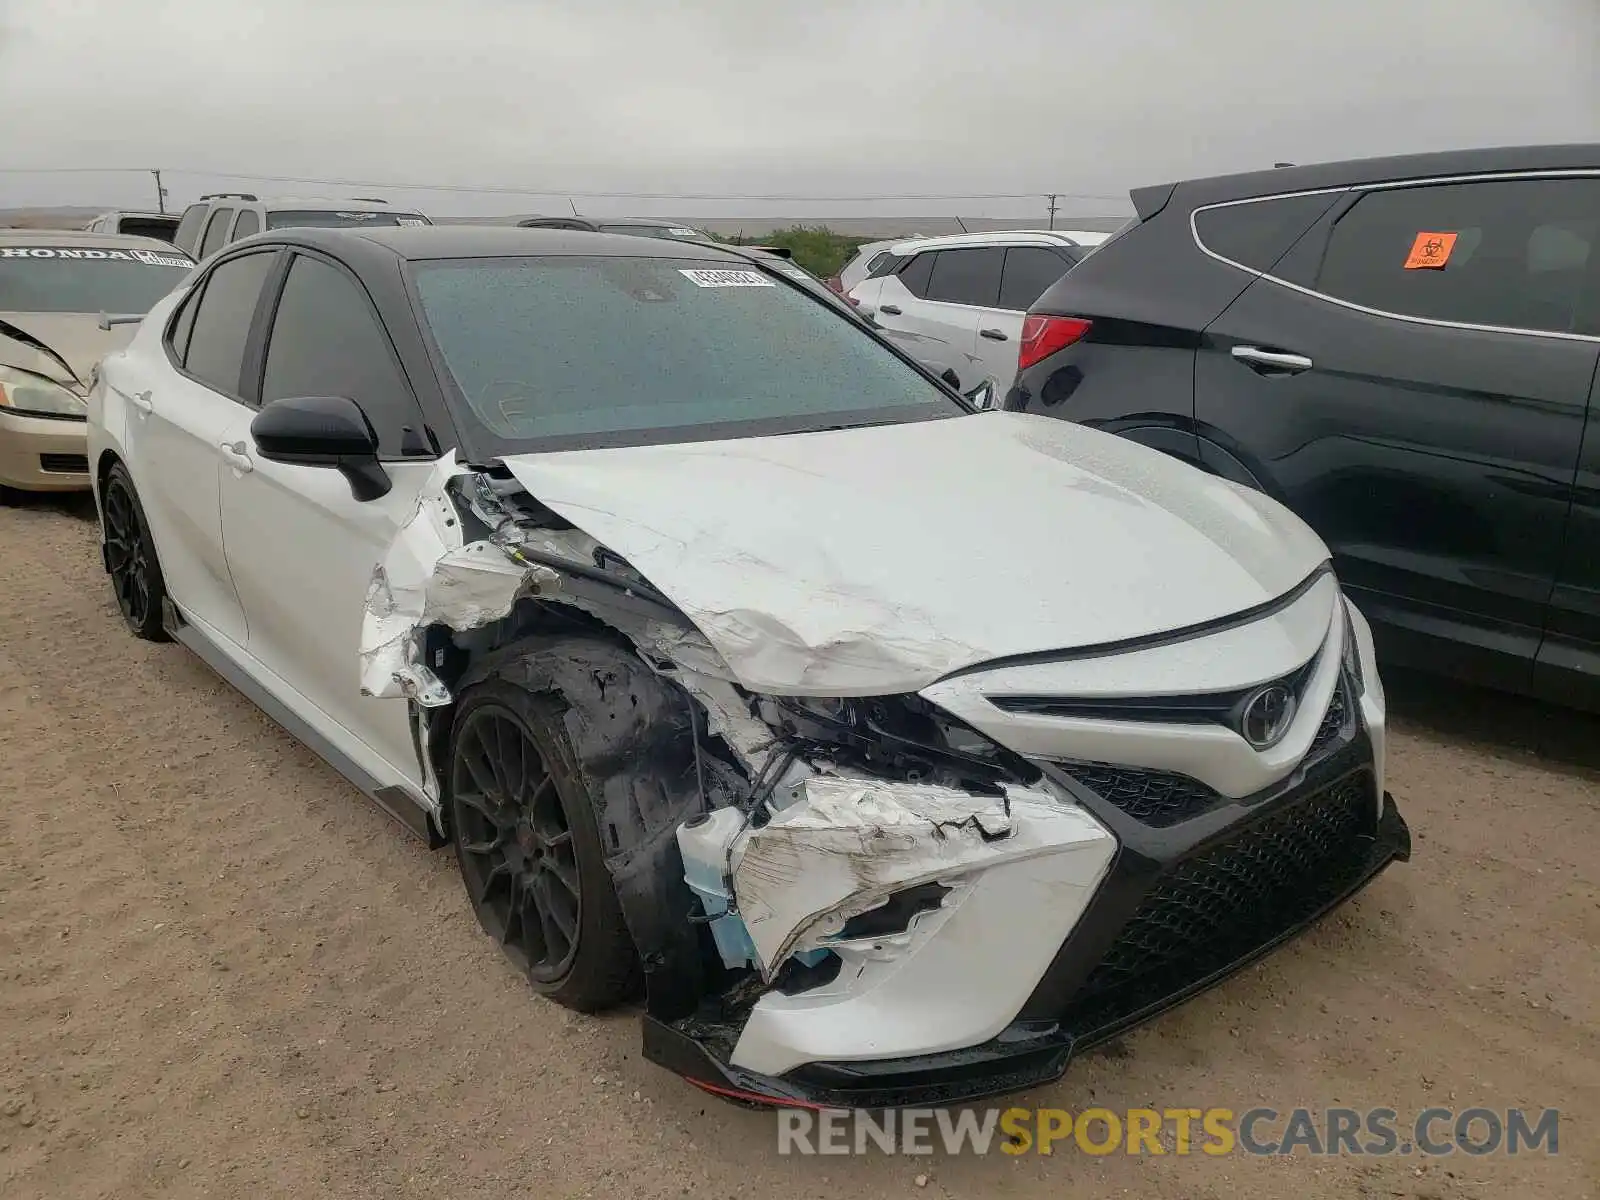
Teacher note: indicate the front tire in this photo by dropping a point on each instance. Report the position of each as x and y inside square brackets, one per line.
[131, 558]
[529, 848]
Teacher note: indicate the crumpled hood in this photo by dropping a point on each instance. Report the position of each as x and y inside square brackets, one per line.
[77, 337]
[877, 560]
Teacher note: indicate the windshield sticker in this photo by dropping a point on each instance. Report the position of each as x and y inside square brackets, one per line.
[409, 221]
[678, 232]
[151, 258]
[714, 279]
[348, 216]
[1430, 251]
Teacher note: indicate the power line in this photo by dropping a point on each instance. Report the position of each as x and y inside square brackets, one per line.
[506, 190]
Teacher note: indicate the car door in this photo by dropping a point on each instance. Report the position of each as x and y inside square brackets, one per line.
[1415, 388]
[1567, 669]
[1026, 273]
[931, 305]
[181, 407]
[300, 547]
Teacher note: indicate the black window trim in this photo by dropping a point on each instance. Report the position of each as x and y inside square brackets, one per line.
[197, 296]
[1358, 190]
[255, 347]
[1002, 247]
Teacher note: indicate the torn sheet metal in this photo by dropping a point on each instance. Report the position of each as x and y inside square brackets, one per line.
[429, 575]
[849, 843]
[873, 561]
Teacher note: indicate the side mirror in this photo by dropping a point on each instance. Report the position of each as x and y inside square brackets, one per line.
[949, 376]
[985, 395]
[323, 431]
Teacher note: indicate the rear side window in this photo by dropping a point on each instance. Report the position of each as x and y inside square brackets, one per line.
[216, 228]
[882, 263]
[188, 235]
[222, 321]
[1257, 234]
[247, 224]
[1028, 271]
[968, 276]
[326, 341]
[1518, 254]
[916, 273]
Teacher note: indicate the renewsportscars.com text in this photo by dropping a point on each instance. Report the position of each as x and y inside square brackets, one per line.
[1432, 1132]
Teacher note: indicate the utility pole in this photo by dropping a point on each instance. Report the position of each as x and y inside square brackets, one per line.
[161, 192]
[1052, 199]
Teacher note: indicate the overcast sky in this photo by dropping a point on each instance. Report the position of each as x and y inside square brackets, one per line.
[741, 97]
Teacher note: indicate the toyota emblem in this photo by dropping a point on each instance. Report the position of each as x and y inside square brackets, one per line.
[1267, 716]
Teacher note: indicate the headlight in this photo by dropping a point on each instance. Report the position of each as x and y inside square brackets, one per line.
[896, 737]
[24, 392]
[1352, 652]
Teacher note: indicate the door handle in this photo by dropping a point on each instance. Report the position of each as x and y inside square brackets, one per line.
[892, 309]
[142, 401]
[237, 457]
[994, 335]
[1255, 358]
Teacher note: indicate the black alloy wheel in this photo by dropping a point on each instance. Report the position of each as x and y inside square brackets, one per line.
[131, 557]
[514, 839]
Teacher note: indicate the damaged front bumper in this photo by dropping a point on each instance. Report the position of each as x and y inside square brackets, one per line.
[1176, 914]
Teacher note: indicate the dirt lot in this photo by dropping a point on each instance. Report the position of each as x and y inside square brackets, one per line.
[224, 972]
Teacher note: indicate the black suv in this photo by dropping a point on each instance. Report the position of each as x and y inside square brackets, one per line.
[1403, 351]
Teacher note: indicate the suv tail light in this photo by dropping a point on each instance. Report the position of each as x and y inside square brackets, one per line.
[1043, 336]
[834, 285]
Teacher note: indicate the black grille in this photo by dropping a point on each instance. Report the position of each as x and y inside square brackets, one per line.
[1208, 911]
[1332, 723]
[1153, 798]
[64, 464]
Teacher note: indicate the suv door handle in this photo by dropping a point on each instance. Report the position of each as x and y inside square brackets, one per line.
[237, 457]
[142, 401]
[994, 335]
[892, 309]
[1256, 358]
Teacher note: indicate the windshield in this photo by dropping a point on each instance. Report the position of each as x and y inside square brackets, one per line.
[59, 279]
[671, 232]
[569, 350]
[327, 218]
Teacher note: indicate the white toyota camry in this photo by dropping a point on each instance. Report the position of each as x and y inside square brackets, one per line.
[896, 749]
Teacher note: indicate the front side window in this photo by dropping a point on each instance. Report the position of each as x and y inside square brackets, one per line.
[247, 224]
[222, 321]
[968, 276]
[83, 279]
[1516, 253]
[326, 341]
[188, 234]
[548, 350]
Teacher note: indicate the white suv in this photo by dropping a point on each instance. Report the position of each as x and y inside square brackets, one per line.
[956, 303]
[214, 221]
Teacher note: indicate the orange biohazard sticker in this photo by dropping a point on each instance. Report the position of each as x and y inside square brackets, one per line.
[1430, 251]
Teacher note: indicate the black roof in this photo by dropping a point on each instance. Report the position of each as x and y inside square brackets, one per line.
[413, 242]
[1312, 176]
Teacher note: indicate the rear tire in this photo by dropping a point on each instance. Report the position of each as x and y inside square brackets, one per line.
[529, 848]
[131, 560]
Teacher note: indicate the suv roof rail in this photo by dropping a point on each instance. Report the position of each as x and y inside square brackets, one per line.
[370, 199]
[229, 196]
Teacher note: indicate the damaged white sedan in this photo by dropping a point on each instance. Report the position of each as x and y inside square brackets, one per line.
[896, 750]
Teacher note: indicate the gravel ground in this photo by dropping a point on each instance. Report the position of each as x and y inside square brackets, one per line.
[224, 972]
